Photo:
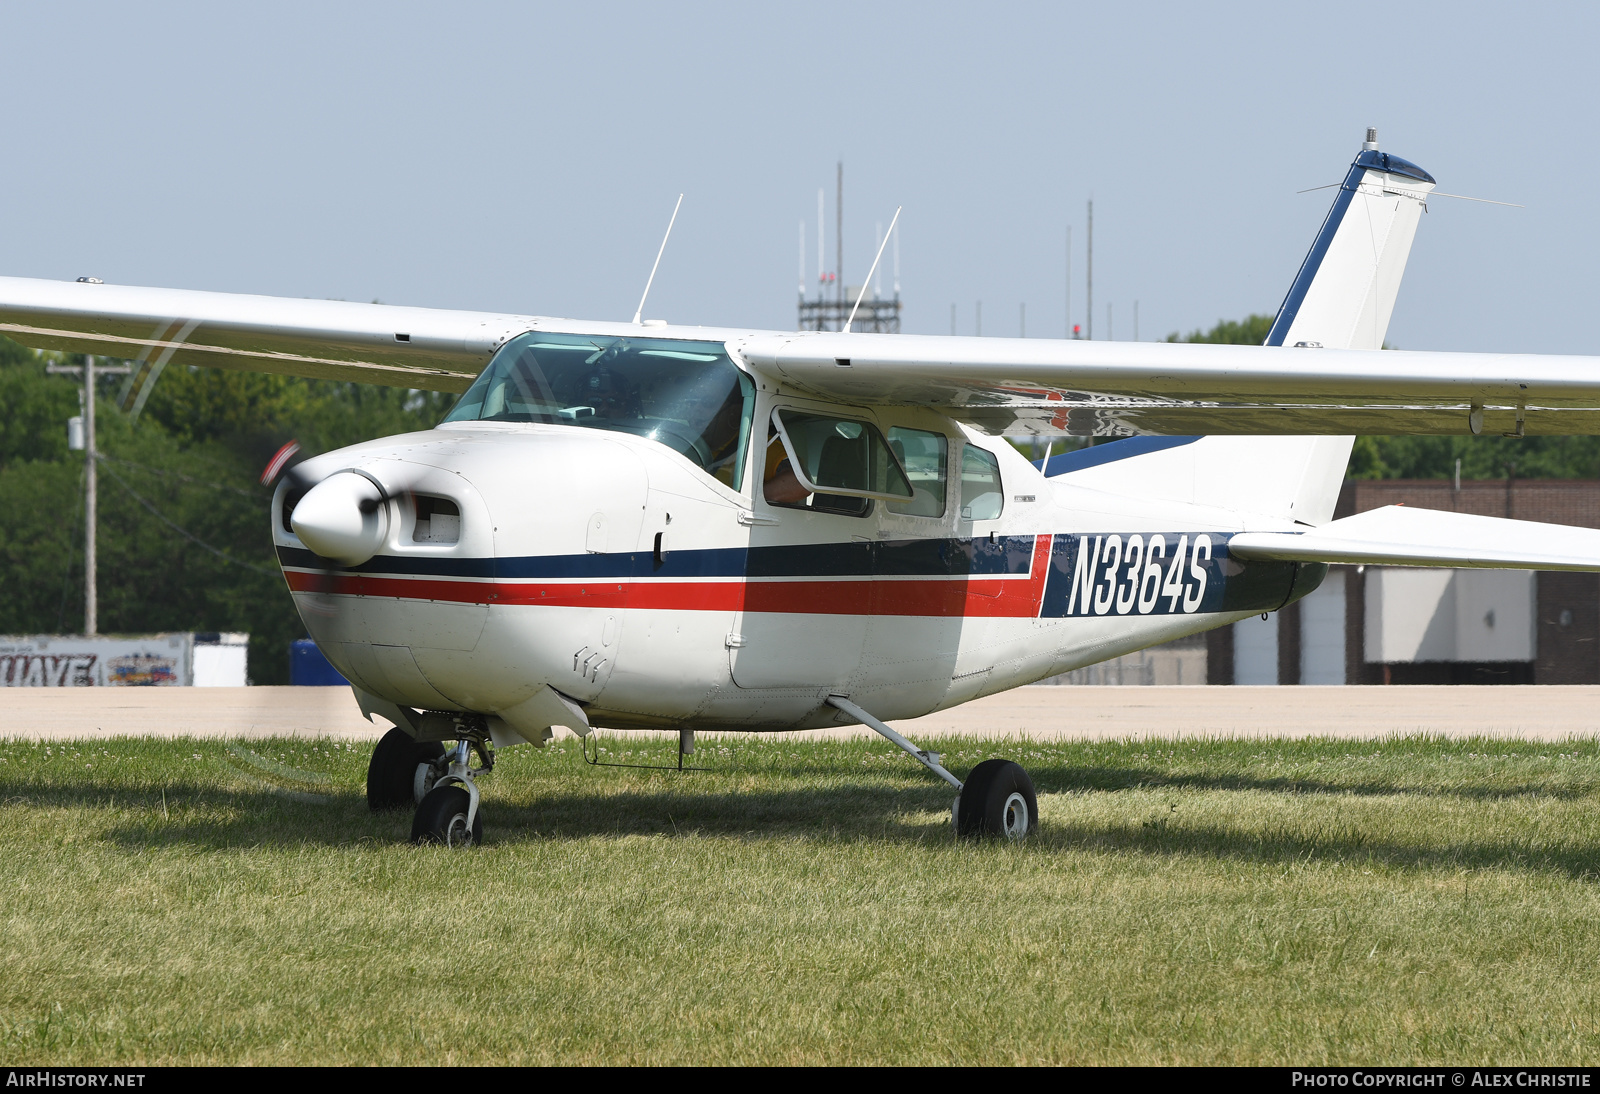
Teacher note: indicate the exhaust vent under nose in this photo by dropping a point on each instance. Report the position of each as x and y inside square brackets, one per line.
[438, 521]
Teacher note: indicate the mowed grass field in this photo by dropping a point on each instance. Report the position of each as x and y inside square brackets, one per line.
[1410, 900]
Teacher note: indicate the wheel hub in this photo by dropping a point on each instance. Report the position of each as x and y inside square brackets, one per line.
[459, 833]
[1014, 816]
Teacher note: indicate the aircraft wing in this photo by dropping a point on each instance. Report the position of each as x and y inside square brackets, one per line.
[1009, 386]
[1019, 386]
[422, 348]
[1398, 535]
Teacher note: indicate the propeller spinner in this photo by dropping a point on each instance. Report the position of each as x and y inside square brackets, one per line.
[343, 517]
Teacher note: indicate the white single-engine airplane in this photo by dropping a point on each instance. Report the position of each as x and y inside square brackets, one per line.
[647, 526]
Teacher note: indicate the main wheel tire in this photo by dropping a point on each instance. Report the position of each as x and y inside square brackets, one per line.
[997, 799]
[392, 771]
[442, 818]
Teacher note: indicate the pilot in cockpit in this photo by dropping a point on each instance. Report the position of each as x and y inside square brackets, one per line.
[780, 485]
[613, 396]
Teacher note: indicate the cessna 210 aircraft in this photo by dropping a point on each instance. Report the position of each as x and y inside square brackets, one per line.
[647, 526]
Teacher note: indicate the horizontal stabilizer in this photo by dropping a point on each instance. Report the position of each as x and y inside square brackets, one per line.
[1398, 535]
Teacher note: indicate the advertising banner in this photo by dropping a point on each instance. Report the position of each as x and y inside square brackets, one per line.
[57, 661]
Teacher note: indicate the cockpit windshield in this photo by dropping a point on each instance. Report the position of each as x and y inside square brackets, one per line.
[686, 395]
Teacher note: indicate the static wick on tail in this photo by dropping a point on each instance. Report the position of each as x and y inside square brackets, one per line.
[638, 315]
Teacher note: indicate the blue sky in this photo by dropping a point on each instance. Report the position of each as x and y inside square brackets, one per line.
[526, 157]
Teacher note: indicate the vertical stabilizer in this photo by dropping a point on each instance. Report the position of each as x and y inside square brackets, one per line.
[1341, 298]
[1344, 293]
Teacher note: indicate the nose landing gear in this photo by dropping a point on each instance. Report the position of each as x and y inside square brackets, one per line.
[448, 812]
[441, 784]
[449, 815]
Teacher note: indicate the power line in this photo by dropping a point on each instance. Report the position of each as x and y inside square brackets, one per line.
[185, 533]
[182, 477]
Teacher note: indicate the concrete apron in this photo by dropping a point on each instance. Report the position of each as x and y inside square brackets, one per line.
[1032, 713]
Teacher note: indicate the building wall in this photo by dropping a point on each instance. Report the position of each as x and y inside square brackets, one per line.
[1219, 656]
[1255, 650]
[1176, 663]
[1568, 629]
[1567, 606]
[1321, 628]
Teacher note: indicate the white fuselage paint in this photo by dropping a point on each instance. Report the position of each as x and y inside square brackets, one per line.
[555, 580]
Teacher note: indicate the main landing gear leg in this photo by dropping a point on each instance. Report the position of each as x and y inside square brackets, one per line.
[448, 812]
[996, 800]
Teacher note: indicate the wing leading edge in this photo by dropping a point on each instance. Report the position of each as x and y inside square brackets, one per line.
[423, 348]
[1021, 386]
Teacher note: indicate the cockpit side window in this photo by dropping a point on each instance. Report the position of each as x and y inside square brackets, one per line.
[830, 464]
[781, 486]
[686, 395]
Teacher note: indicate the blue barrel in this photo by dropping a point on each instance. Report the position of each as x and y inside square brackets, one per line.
[308, 668]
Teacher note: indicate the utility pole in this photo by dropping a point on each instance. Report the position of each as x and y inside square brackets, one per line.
[91, 598]
[1089, 300]
[91, 505]
[1069, 281]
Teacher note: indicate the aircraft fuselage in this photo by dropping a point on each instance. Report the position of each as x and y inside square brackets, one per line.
[615, 569]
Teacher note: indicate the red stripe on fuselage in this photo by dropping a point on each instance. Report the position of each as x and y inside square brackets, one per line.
[1014, 596]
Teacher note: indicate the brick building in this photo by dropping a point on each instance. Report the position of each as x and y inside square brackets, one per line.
[1394, 625]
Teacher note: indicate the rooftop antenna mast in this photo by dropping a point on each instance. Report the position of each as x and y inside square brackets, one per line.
[877, 288]
[822, 258]
[838, 250]
[1089, 276]
[1069, 281]
[876, 259]
[897, 267]
[638, 319]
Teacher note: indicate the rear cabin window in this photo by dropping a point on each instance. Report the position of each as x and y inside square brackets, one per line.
[923, 454]
[982, 496]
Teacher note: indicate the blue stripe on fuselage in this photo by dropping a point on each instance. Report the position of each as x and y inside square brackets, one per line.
[980, 557]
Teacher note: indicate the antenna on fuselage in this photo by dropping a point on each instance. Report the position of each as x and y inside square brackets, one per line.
[638, 316]
[875, 261]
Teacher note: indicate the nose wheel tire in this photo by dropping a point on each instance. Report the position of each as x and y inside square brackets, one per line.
[442, 818]
[997, 800]
[392, 771]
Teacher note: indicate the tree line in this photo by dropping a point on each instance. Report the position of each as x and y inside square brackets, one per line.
[184, 542]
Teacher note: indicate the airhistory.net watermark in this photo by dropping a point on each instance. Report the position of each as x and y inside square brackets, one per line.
[58, 1078]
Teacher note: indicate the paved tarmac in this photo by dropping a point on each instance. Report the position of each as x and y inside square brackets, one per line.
[1039, 713]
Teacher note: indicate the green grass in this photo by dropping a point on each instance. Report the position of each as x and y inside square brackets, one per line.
[1412, 900]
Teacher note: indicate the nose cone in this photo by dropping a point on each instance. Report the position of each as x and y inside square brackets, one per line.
[343, 518]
